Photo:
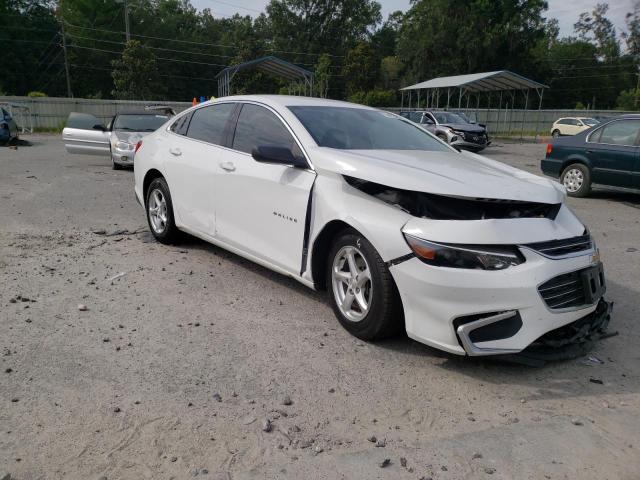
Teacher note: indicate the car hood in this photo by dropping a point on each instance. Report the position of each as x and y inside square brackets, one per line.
[462, 174]
[130, 137]
[464, 127]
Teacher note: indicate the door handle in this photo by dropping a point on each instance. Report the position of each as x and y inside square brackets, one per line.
[175, 151]
[228, 166]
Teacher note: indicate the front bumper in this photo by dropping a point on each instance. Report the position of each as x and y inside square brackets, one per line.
[435, 299]
[122, 157]
[469, 141]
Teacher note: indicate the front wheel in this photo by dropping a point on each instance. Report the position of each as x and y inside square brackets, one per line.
[362, 292]
[577, 180]
[160, 212]
[555, 133]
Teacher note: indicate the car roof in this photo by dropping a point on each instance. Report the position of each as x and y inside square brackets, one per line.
[291, 101]
[139, 112]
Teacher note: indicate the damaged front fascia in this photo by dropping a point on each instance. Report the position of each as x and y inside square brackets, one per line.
[442, 207]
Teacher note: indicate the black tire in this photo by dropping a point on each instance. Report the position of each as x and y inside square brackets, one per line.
[555, 133]
[585, 187]
[116, 166]
[169, 234]
[384, 317]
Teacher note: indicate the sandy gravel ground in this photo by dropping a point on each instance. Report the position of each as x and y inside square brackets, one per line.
[184, 353]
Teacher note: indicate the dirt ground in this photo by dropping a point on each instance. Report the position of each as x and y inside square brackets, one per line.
[185, 352]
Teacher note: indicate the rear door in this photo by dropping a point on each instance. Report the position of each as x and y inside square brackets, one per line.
[260, 207]
[613, 153]
[191, 159]
[87, 135]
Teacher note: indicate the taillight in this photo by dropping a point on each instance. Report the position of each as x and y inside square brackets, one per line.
[138, 145]
[549, 149]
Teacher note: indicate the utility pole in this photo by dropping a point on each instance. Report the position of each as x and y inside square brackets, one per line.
[126, 20]
[66, 60]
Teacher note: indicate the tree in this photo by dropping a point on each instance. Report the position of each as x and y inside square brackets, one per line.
[632, 36]
[361, 68]
[595, 27]
[135, 75]
[322, 75]
[390, 71]
[487, 35]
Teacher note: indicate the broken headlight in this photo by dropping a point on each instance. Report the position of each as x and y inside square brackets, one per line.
[464, 256]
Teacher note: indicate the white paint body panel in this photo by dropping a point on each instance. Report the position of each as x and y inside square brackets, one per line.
[258, 211]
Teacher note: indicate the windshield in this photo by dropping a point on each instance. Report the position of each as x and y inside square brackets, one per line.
[139, 123]
[448, 117]
[348, 128]
[590, 121]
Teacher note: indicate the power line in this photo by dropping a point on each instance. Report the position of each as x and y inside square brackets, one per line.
[236, 6]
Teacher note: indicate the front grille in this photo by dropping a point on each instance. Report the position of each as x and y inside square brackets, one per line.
[563, 291]
[474, 137]
[559, 248]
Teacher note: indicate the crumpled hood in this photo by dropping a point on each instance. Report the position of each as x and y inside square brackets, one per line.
[462, 174]
[464, 127]
[129, 137]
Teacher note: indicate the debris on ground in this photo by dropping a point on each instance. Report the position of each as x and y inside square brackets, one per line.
[385, 463]
[82, 307]
[266, 425]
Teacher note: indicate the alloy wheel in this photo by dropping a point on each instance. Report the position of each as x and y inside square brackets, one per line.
[157, 211]
[351, 281]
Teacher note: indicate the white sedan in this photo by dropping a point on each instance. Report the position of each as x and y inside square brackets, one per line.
[404, 233]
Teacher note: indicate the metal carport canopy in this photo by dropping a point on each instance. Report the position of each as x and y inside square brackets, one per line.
[480, 82]
[269, 64]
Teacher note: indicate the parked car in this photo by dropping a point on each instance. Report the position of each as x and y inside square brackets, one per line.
[452, 128]
[8, 127]
[85, 134]
[571, 125]
[404, 232]
[606, 154]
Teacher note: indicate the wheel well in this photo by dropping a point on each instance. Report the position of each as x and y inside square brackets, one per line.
[320, 251]
[571, 161]
[148, 178]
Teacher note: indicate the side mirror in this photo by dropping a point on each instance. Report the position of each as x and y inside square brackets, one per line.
[277, 155]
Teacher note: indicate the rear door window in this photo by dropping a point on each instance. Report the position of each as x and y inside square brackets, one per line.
[181, 125]
[622, 132]
[209, 123]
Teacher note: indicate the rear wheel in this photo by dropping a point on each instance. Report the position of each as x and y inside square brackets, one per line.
[555, 133]
[160, 212]
[362, 292]
[577, 180]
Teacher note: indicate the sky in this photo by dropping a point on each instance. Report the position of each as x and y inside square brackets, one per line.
[566, 11]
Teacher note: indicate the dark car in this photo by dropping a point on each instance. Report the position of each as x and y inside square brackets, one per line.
[606, 154]
[8, 127]
[454, 128]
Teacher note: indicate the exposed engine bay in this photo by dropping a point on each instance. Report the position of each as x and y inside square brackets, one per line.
[442, 207]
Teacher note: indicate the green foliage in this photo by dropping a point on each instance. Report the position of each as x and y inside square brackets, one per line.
[135, 75]
[628, 100]
[580, 106]
[361, 68]
[375, 98]
[322, 72]
[36, 94]
[353, 53]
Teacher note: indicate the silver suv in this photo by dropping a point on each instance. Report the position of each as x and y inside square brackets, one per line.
[453, 128]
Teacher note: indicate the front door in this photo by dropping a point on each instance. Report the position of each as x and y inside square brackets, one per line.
[613, 153]
[87, 135]
[261, 208]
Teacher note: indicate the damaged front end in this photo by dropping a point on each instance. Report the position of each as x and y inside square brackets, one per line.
[569, 341]
[443, 207]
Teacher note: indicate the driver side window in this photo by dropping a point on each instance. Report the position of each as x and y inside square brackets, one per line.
[258, 126]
